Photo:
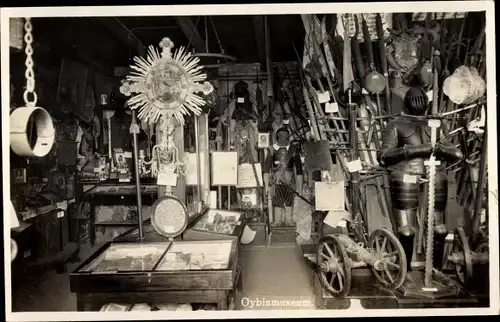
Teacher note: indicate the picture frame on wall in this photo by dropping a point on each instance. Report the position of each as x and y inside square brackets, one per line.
[263, 140]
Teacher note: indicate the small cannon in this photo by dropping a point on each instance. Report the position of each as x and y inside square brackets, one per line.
[338, 254]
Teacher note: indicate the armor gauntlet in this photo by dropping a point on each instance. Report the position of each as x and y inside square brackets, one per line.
[448, 153]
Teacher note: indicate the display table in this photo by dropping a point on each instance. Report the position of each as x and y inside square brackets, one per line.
[158, 273]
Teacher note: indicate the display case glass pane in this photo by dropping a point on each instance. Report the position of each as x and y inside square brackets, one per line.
[218, 221]
[122, 257]
[197, 255]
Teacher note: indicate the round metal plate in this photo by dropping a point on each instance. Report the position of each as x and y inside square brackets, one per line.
[169, 216]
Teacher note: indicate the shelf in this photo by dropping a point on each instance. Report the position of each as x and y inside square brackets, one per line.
[119, 223]
[123, 223]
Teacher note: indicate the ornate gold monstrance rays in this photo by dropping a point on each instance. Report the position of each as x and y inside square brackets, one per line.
[165, 84]
[163, 87]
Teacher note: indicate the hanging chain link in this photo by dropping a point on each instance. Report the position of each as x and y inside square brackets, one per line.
[29, 74]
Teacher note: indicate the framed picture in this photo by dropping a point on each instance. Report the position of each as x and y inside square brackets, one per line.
[218, 221]
[263, 140]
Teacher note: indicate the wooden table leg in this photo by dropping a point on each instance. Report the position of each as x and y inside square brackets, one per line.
[222, 301]
[80, 303]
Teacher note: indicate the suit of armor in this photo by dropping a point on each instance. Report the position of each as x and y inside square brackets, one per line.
[278, 170]
[406, 145]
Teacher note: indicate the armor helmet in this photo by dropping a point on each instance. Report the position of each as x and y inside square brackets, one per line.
[282, 135]
[416, 101]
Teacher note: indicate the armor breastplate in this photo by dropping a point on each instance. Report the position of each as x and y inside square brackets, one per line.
[280, 156]
[412, 132]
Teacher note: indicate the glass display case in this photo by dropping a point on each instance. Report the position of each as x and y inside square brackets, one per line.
[166, 270]
[158, 272]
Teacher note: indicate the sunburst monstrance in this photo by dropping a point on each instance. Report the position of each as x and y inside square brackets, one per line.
[166, 84]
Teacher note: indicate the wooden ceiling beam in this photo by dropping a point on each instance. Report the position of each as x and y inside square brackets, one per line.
[260, 32]
[121, 32]
[189, 29]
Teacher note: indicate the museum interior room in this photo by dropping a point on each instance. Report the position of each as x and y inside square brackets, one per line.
[248, 162]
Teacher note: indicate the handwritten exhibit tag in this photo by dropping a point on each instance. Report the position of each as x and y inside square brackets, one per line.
[408, 178]
[331, 107]
[354, 166]
[323, 97]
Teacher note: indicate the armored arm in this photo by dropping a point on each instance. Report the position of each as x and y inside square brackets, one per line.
[267, 168]
[297, 162]
[391, 153]
[445, 150]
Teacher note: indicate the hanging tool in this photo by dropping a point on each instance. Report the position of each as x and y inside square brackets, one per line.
[425, 72]
[446, 72]
[356, 51]
[312, 118]
[355, 177]
[383, 62]
[365, 110]
[375, 82]
[108, 114]
[348, 77]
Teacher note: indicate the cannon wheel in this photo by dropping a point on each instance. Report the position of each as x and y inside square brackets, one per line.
[461, 247]
[334, 266]
[388, 249]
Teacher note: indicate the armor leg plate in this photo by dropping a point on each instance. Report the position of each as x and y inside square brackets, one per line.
[406, 221]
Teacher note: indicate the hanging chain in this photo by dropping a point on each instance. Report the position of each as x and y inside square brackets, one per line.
[29, 74]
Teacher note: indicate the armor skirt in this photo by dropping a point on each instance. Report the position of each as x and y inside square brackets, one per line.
[283, 196]
[405, 194]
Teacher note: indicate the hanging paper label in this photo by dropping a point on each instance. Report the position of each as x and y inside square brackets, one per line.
[167, 178]
[241, 100]
[329, 196]
[323, 97]
[213, 199]
[224, 168]
[408, 178]
[331, 107]
[342, 224]
[434, 123]
[429, 289]
[354, 166]
[246, 176]
[334, 218]
[430, 95]
[63, 205]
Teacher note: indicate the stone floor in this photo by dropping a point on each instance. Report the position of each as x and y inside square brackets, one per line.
[275, 278]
